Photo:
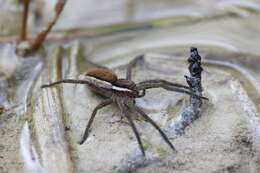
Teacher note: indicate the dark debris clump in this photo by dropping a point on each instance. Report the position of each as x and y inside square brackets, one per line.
[192, 112]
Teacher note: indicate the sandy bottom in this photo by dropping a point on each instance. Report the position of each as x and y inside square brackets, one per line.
[221, 140]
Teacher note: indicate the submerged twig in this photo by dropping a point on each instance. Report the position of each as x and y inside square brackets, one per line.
[192, 112]
[36, 44]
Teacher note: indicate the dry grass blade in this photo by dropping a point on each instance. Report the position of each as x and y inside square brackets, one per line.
[23, 34]
[36, 44]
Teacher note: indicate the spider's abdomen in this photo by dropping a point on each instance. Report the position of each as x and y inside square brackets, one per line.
[105, 81]
[103, 74]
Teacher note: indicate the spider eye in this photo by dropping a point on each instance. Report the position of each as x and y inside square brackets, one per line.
[103, 74]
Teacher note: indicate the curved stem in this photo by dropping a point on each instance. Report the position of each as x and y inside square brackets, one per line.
[23, 34]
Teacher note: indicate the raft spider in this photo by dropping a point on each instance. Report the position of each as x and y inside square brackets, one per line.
[123, 92]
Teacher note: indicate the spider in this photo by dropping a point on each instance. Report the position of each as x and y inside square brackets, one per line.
[123, 92]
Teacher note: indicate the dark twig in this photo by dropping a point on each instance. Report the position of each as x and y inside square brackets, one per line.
[192, 112]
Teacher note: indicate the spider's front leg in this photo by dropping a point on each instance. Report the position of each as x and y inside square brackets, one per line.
[154, 82]
[168, 86]
[100, 106]
[72, 81]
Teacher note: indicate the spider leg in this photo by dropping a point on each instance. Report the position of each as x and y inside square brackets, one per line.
[132, 64]
[66, 81]
[125, 111]
[163, 82]
[142, 94]
[100, 106]
[155, 126]
[168, 86]
[186, 92]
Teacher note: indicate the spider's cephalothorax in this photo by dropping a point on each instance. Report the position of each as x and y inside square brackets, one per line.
[123, 92]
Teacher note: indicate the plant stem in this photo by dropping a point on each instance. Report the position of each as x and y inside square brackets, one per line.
[23, 34]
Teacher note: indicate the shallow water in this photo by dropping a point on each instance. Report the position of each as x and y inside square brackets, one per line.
[228, 123]
[226, 138]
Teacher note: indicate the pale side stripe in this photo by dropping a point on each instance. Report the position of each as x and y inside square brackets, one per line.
[105, 84]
